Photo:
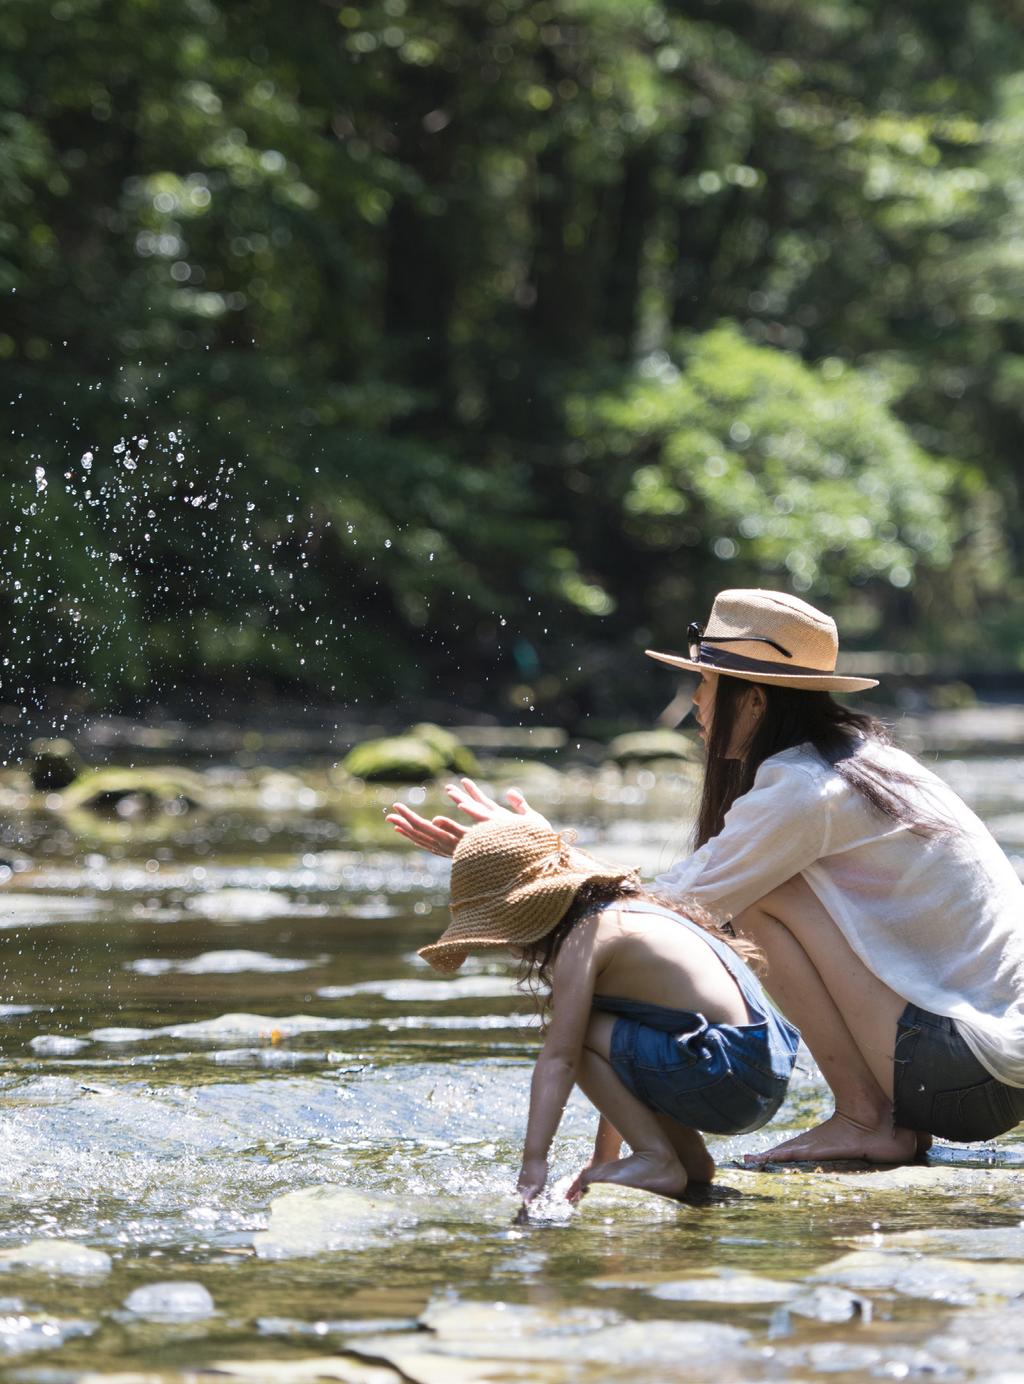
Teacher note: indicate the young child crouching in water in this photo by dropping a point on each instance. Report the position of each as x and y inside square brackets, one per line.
[654, 1015]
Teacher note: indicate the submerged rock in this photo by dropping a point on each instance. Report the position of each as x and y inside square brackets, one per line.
[725, 1287]
[52, 765]
[941, 1280]
[21, 1332]
[499, 1338]
[128, 794]
[170, 1302]
[420, 754]
[320, 1220]
[395, 759]
[991, 1242]
[455, 755]
[647, 746]
[56, 1257]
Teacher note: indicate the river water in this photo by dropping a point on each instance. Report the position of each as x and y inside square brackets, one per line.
[244, 1129]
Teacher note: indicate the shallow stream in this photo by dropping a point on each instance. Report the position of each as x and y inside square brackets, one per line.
[244, 1129]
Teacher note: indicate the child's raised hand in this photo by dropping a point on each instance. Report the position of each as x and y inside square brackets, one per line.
[475, 803]
[440, 835]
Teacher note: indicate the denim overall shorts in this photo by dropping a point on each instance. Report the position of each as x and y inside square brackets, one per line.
[718, 1078]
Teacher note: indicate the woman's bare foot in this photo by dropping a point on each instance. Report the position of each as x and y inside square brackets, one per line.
[842, 1137]
[665, 1177]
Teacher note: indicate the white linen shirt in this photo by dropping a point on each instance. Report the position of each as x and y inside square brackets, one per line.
[939, 919]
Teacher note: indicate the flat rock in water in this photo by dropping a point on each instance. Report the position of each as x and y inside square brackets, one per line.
[232, 904]
[343, 1368]
[324, 1219]
[955, 1281]
[826, 1303]
[414, 991]
[56, 1044]
[862, 1361]
[171, 1302]
[501, 1335]
[993, 1242]
[254, 1026]
[57, 1257]
[989, 1344]
[219, 963]
[725, 1287]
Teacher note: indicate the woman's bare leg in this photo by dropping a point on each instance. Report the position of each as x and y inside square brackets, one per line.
[846, 1016]
[654, 1165]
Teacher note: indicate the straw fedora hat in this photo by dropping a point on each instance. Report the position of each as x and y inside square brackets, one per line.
[512, 882]
[770, 637]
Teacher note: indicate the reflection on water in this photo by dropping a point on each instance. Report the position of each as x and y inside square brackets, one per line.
[241, 1120]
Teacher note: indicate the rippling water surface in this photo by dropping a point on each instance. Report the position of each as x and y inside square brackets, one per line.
[243, 1127]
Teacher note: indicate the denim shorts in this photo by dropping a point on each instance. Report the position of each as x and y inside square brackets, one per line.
[941, 1088]
[718, 1078]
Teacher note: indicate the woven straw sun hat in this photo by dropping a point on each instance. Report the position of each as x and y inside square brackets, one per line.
[512, 882]
[770, 637]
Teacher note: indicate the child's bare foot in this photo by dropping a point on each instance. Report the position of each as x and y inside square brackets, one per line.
[666, 1177]
[842, 1137]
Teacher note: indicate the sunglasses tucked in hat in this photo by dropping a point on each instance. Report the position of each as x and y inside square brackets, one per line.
[768, 636]
[512, 882]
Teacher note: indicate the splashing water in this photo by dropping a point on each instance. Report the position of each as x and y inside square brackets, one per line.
[113, 557]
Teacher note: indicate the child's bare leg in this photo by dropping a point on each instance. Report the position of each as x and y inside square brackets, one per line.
[847, 1017]
[654, 1165]
[690, 1148]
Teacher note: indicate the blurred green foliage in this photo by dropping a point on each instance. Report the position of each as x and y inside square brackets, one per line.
[479, 341]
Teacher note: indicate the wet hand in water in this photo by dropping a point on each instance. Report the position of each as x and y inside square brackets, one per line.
[533, 1176]
[579, 1187]
[442, 834]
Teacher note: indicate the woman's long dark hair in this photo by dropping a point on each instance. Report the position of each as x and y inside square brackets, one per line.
[539, 957]
[847, 740]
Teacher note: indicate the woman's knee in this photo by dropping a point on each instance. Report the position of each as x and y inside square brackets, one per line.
[791, 899]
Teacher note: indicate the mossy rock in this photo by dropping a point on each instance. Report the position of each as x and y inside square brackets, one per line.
[52, 765]
[395, 759]
[456, 756]
[128, 792]
[646, 746]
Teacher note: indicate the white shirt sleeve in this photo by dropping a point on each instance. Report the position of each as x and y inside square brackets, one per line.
[772, 832]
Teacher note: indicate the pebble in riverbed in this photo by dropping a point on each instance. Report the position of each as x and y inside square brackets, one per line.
[171, 1302]
[56, 1045]
[56, 1257]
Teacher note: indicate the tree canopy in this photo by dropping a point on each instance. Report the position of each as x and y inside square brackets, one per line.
[466, 345]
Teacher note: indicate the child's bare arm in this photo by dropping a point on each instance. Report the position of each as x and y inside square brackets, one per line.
[572, 988]
[607, 1142]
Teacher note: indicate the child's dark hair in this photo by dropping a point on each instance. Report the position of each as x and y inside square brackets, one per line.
[539, 957]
